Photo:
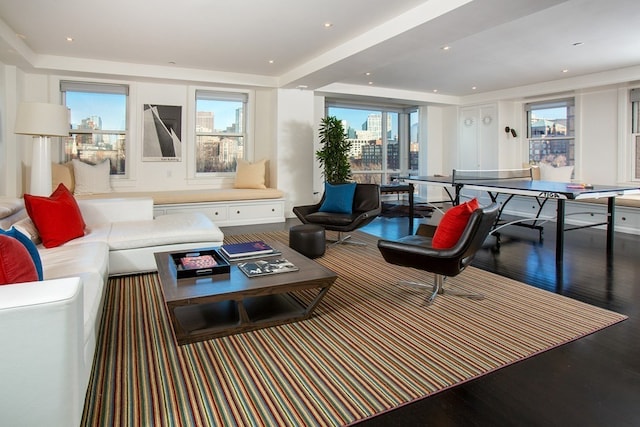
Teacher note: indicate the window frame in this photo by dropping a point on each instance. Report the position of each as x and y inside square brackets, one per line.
[221, 95]
[403, 132]
[634, 132]
[571, 125]
[101, 88]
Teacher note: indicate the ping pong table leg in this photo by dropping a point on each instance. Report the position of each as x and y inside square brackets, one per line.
[611, 211]
[560, 231]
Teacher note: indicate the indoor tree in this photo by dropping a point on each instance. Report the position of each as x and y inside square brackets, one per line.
[334, 154]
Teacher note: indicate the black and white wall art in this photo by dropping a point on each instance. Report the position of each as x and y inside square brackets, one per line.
[162, 133]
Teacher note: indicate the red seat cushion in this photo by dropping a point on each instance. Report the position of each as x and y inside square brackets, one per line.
[452, 225]
[57, 218]
[16, 265]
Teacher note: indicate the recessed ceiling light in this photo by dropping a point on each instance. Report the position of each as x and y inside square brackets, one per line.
[578, 43]
[473, 88]
[69, 39]
[435, 91]
[446, 48]
[302, 87]
[328, 25]
[367, 73]
[565, 70]
[370, 83]
[271, 61]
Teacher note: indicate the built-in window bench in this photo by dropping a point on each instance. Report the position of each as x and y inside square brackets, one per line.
[226, 207]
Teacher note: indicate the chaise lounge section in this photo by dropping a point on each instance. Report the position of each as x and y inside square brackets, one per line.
[48, 328]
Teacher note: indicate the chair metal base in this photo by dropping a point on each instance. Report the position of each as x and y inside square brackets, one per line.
[438, 288]
[346, 240]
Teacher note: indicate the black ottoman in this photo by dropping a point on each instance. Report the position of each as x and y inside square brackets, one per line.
[308, 239]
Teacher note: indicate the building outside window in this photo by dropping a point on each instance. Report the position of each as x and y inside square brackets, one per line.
[551, 132]
[98, 123]
[220, 130]
[635, 132]
[384, 141]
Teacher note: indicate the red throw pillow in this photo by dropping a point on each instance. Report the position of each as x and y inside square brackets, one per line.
[57, 218]
[16, 265]
[452, 225]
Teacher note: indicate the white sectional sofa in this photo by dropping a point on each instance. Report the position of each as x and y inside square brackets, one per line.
[48, 329]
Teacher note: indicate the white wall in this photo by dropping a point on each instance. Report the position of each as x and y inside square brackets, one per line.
[295, 124]
[597, 154]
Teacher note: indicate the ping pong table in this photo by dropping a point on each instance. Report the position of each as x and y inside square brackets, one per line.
[519, 182]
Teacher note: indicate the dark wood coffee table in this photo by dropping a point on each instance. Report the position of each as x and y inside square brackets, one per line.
[215, 306]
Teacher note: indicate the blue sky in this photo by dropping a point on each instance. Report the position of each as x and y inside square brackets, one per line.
[112, 110]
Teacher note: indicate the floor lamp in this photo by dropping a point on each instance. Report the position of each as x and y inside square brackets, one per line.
[42, 121]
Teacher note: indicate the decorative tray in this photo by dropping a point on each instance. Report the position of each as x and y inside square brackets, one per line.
[199, 263]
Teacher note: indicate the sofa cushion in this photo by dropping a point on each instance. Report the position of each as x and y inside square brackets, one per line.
[9, 206]
[90, 262]
[250, 175]
[338, 198]
[29, 246]
[193, 227]
[16, 266]
[57, 218]
[453, 224]
[90, 179]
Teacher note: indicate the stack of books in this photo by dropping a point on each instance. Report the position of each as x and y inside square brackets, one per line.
[247, 250]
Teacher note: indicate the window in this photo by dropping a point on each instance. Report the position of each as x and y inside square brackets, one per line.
[635, 131]
[384, 141]
[551, 132]
[220, 130]
[98, 123]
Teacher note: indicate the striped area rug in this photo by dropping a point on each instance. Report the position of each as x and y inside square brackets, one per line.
[371, 346]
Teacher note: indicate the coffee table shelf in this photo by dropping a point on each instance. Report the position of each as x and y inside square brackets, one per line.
[206, 308]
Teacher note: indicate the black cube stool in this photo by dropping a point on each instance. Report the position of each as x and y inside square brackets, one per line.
[308, 239]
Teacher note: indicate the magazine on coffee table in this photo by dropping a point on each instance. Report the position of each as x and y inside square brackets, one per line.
[264, 267]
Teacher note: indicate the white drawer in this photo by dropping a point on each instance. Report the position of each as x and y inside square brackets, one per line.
[216, 213]
[254, 211]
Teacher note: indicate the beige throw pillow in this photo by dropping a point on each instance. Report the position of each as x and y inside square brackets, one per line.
[91, 179]
[250, 175]
[28, 228]
[62, 174]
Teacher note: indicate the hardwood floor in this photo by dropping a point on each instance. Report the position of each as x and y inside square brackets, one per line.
[594, 381]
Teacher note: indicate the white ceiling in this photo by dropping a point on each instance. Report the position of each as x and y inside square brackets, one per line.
[495, 44]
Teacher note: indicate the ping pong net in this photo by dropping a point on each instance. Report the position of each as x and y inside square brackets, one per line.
[461, 175]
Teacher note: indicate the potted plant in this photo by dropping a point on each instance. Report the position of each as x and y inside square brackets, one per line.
[334, 154]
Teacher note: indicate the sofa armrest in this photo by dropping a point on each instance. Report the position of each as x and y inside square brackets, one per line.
[41, 363]
[116, 209]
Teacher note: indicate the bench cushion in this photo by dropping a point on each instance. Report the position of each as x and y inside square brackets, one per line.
[195, 196]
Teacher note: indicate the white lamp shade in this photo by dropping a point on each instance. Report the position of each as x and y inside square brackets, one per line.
[42, 119]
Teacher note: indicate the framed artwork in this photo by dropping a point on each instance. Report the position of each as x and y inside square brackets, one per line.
[162, 133]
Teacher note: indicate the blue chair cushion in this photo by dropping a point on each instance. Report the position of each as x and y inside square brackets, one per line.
[338, 198]
[29, 245]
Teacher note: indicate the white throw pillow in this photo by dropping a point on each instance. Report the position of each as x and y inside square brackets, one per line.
[559, 174]
[90, 179]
